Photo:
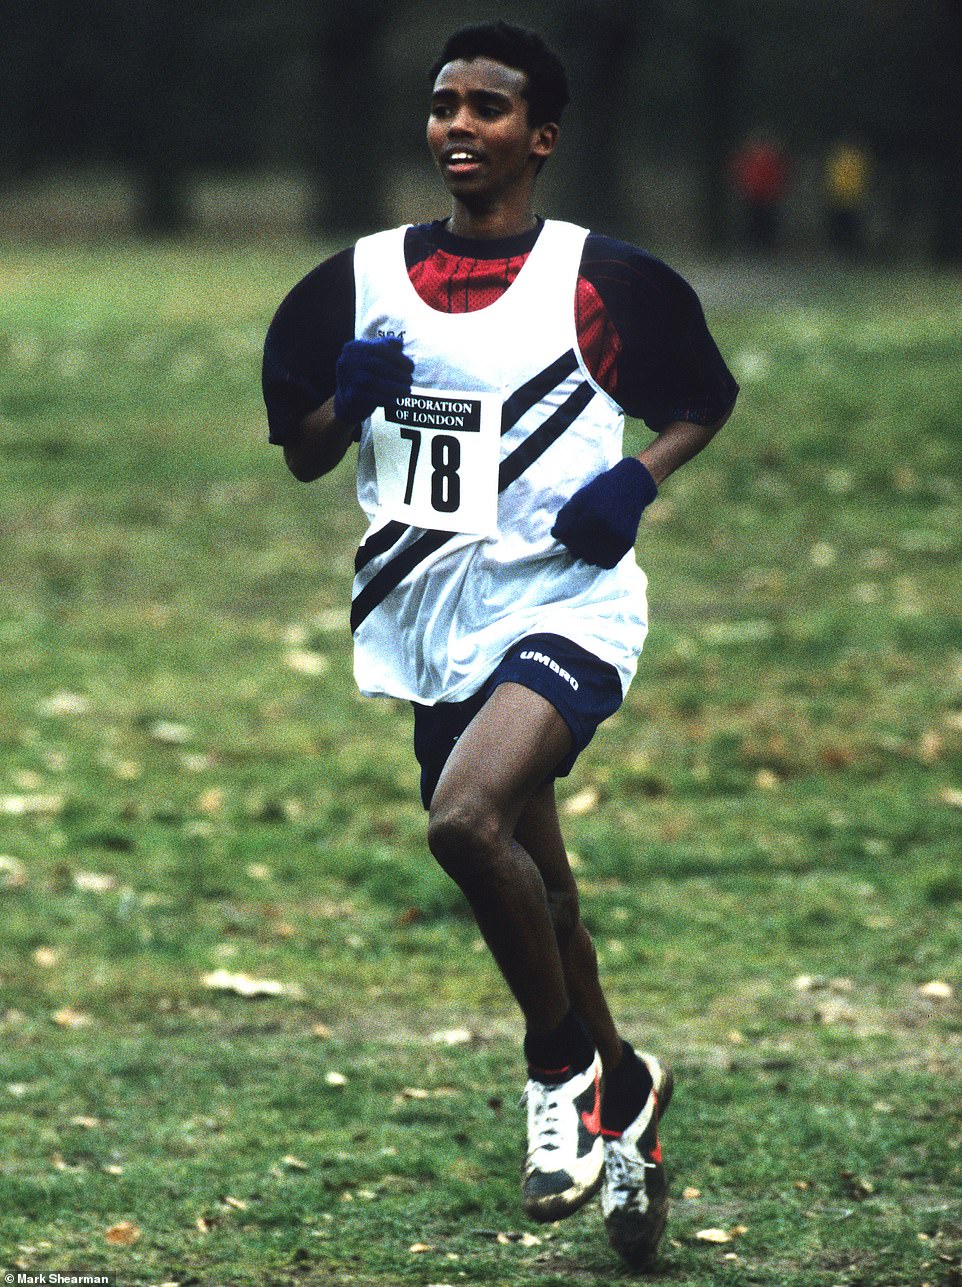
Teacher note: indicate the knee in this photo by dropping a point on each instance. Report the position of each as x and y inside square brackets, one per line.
[464, 836]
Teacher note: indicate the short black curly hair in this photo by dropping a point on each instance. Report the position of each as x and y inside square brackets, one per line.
[547, 89]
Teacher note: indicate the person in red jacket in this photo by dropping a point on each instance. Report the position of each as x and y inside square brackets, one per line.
[760, 174]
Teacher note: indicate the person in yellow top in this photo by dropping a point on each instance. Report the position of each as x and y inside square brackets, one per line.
[847, 181]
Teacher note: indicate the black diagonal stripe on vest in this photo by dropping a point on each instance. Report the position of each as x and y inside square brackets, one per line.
[393, 573]
[531, 393]
[535, 445]
[520, 402]
[379, 543]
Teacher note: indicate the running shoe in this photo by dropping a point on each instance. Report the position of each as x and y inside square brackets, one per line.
[565, 1161]
[634, 1192]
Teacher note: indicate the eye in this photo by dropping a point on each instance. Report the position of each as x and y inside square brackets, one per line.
[440, 110]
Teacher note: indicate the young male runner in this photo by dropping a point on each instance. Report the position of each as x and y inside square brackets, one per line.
[484, 364]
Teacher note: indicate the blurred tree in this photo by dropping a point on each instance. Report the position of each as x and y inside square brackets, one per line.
[945, 84]
[158, 101]
[349, 116]
[716, 61]
[601, 43]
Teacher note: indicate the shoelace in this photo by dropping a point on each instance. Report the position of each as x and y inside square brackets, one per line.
[544, 1110]
[625, 1172]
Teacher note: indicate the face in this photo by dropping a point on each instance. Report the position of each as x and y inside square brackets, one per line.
[479, 134]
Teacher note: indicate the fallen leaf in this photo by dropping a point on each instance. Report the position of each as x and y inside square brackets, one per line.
[67, 1017]
[321, 1030]
[124, 1234]
[937, 990]
[64, 704]
[453, 1037]
[584, 802]
[237, 1204]
[691, 1193]
[419, 1248]
[169, 733]
[713, 1235]
[307, 663]
[85, 1122]
[212, 801]
[293, 1163]
[46, 957]
[809, 983]
[245, 986]
[94, 882]
[951, 796]
[767, 779]
[522, 1239]
[59, 1163]
[36, 803]
[822, 555]
[13, 874]
[335, 1079]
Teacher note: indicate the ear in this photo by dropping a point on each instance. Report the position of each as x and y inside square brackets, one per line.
[544, 140]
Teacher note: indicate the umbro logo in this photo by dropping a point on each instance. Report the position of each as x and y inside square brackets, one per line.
[530, 654]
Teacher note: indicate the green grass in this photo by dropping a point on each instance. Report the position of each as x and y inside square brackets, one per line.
[767, 834]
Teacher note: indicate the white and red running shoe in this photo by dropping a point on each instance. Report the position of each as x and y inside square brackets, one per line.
[634, 1192]
[565, 1160]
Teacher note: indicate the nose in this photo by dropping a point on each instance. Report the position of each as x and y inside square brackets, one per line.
[460, 122]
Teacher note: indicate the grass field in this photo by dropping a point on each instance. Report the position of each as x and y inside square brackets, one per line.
[191, 796]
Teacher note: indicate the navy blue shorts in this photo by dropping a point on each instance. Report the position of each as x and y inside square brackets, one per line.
[582, 688]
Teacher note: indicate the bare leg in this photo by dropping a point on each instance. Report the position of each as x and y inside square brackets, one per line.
[539, 831]
[499, 763]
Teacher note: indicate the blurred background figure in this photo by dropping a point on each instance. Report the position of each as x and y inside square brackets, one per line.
[760, 175]
[846, 182]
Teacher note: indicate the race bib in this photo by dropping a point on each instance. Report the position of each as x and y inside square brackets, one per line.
[437, 454]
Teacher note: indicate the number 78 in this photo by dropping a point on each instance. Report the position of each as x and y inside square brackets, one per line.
[445, 463]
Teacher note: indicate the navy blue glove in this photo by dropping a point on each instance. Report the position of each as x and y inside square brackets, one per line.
[369, 374]
[600, 522]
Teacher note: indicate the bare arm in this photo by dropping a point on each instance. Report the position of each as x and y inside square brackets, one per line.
[677, 443]
[319, 443]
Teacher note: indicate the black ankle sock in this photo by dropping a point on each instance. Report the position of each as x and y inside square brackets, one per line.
[557, 1055]
[626, 1090]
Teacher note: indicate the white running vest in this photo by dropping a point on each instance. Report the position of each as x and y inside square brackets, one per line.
[463, 479]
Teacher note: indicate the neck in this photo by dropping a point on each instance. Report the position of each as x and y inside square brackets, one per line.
[493, 223]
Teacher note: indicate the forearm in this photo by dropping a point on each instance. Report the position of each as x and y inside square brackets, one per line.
[319, 444]
[677, 443]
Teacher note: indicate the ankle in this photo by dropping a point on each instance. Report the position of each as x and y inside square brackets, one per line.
[561, 1053]
[627, 1088]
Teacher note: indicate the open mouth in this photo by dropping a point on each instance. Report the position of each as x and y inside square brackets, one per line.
[461, 161]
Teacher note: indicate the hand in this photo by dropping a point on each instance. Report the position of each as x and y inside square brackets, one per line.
[600, 522]
[369, 374]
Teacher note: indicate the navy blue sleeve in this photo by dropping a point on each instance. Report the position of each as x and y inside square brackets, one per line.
[668, 365]
[304, 339]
